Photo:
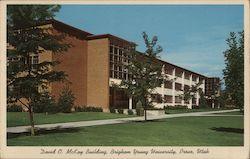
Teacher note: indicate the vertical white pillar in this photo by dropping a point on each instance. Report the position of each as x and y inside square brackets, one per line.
[182, 86]
[190, 85]
[130, 103]
[162, 85]
[213, 104]
[173, 88]
[203, 86]
[197, 93]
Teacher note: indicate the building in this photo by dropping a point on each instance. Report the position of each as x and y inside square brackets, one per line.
[213, 90]
[95, 62]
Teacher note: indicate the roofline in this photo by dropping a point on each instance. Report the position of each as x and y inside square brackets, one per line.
[165, 62]
[54, 21]
[101, 36]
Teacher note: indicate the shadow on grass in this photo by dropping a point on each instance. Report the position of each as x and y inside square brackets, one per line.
[148, 121]
[42, 131]
[230, 130]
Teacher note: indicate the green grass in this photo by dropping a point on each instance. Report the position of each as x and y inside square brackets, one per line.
[231, 113]
[183, 131]
[22, 118]
[178, 111]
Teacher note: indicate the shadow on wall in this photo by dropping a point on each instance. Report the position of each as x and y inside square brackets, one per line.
[230, 130]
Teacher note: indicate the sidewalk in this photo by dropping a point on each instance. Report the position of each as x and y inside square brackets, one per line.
[21, 129]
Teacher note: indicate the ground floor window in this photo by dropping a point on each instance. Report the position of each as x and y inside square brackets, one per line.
[118, 98]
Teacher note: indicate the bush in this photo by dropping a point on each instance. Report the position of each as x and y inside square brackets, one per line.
[88, 109]
[14, 108]
[112, 110]
[175, 107]
[130, 112]
[44, 104]
[195, 107]
[140, 112]
[152, 108]
[120, 111]
[66, 100]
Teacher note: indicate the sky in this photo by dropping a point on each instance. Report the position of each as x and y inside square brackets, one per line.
[192, 36]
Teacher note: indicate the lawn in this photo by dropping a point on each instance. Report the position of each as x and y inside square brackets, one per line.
[231, 113]
[183, 131]
[22, 118]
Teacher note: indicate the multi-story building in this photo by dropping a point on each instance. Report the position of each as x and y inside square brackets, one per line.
[213, 90]
[95, 62]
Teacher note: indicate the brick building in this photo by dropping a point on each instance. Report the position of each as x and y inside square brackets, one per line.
[95, 62]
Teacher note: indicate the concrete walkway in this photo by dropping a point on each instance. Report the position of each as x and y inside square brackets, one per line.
[21, 129]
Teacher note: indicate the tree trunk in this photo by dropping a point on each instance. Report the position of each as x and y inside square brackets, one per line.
[32, 129]
[145, 108]
[145, 113]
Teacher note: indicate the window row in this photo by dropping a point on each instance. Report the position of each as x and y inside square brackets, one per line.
[118, 59]
[32, 59]
[120, 75]
[157, 98]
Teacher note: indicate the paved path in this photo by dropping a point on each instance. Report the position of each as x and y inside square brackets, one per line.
[21, 129]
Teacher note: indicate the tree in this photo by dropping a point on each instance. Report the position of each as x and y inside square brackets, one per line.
[234, 70]
[146, 73]
[191, 92]
[27, 79]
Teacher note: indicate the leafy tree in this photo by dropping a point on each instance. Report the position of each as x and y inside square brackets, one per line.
[192, 91]
[146, 73]
[27, 79]
[234, 70]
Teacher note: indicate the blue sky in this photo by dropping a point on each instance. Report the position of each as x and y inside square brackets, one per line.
[192, 36]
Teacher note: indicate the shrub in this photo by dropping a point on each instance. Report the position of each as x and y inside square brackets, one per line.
[152, 108]
[112, 110]
[139, 109]
[88, 109]
[195, 107]
[120, 111]
[14, 108]
[44, 104]
[130, 112]
[66, 100]
[175, 107]
[140, 112]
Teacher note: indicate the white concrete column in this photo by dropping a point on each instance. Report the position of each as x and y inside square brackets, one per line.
[213, 104]
[173, 88]
[190, 85]
[203, 86]
[130, 103]
[182, 85]
[162, 85]
[197, 93]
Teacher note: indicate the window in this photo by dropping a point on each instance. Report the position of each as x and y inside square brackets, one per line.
[111, 58]
[115, 51]
[118, 56]
[168, 70]
[194, 78]
[168, 84]
[156, 98]
[168, 98]
[193, 100]
[187, 76]
[178, 99]
[178, 73]
[178, 87]
[111, 49]
[186, 87]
